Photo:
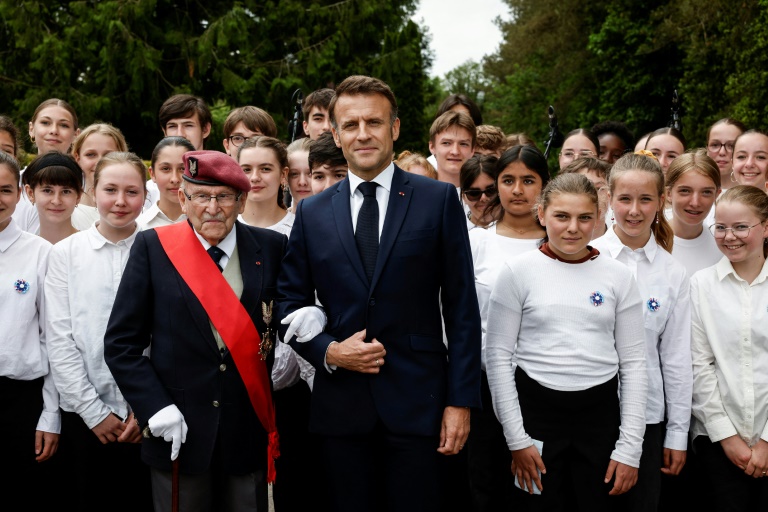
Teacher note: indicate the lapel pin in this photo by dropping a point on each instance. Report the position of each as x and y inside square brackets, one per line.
[402, 194]
[21, 286]
[258, 263]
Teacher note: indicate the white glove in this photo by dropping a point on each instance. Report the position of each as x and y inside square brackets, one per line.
[306, 323]
[169, 424]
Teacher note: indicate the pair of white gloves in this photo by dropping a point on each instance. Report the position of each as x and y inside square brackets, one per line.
[168, 423]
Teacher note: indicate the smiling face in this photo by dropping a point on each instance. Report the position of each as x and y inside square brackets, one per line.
[452, 148]
[93, 149]
[53, 130]
[665, 148]
[692, 197]
[750, 160]
[569, 220]
[167, 172]
[264, 172]
[518, 188]
[119, 196]
[734, 214]
[9, 195]
[636, 202]
[54, 203]
[364, 132]
[722, 138]
[299, 175]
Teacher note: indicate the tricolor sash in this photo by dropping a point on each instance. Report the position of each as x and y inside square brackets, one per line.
[230, 318]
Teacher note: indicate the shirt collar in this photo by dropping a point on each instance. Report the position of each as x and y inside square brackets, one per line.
[725, 268]
[384, 179]
[98, 241]
[9, 235]
[227, 245]
[615, 245]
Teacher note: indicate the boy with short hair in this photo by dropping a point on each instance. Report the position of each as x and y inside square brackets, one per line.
[327, 163]
[490, 140]
[186, 116]
[315, 110]
[452, 140]
[246, 122]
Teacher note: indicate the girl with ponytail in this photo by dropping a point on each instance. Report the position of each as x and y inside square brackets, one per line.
[641, 238]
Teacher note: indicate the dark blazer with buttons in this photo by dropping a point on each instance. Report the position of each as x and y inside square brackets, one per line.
[424, 260]
[154, 305]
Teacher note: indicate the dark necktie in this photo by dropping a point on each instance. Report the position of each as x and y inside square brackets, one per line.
[367, 232]
[216, 255]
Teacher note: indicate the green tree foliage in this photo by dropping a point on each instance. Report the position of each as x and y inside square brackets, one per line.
[622, 59]
[118, 60]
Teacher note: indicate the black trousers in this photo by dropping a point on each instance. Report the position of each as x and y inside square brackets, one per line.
[644, 496]
[579, 430]
[102, 476]
[490, 479]
[732, 490]
[383, 471]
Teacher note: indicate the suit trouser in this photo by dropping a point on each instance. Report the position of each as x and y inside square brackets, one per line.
[382, 471]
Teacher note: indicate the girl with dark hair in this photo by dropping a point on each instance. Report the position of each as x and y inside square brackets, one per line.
[641, 239]
[730, 355]
[615, 140]
[478, 189]
[579, 143]
[53, 182]
[461, 103]
[555, 389]
[265, 161]
[9, 136]
[519, 175]
[166, 169]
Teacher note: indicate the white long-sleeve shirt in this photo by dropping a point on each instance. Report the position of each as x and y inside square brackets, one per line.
[730, 354]
[84, 272]
[570, 327]
[23, 349]
[665, 289]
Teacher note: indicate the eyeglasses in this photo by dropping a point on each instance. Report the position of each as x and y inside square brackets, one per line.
[237, 140]
[221, 199]
[741, 231]
[715, 146]
[474, 194]
[584, 153]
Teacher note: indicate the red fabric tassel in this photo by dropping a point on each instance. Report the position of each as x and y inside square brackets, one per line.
[273, 452]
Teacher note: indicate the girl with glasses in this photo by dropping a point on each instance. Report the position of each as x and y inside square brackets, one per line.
[730, 355]
[579, 143]
[721, 137]
[478, 189]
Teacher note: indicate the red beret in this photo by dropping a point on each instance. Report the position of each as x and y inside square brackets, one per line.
[214, 168]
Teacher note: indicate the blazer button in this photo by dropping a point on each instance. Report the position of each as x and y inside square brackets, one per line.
[372, 302]
[215, 403]
[222, 367]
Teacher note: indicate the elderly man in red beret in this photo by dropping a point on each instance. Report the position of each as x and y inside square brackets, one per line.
[201, 293]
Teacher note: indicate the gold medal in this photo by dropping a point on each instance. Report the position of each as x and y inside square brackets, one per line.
[266, 338]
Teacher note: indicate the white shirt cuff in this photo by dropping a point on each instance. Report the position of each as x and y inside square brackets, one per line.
[676, 440]
[329, 367]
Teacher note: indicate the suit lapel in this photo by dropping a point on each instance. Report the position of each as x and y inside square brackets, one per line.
[342, 215]
[250, 253]
[400, 194]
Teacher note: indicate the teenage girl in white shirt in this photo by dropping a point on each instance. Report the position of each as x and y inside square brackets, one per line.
[693, 184]
[89, 147]
[730, 355]
[750, 159]
[554, 386]
[100, 435]
[166, 169]
[641, 239]
[30, 405]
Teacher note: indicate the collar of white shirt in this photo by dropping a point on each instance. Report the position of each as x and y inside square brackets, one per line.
[227, 245]
[615, 245]
[724, 268]
[10, 234]
[98, 241]
[384, 179]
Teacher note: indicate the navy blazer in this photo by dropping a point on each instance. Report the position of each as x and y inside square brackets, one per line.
[424, 260]
[185, 367]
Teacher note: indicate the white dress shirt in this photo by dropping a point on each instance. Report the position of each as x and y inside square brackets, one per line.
[730, 354]
[23, 349]
[384, 179]
[665, 290]
[84, 216]
[227, 245]
[489, 252]
[547, 322]
[25, 215]
[84, 272]
[155, 218]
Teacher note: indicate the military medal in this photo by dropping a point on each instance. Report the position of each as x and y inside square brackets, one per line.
[266, 340]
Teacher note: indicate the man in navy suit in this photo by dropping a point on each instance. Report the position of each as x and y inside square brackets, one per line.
[388, 255]
[201, 292]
